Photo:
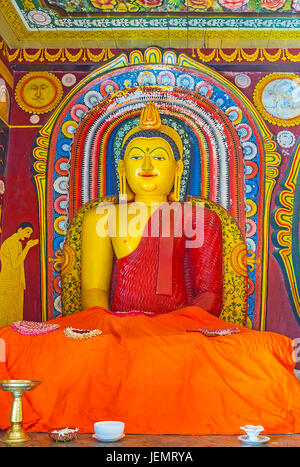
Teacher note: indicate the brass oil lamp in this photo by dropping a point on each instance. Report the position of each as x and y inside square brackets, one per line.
[16, 434]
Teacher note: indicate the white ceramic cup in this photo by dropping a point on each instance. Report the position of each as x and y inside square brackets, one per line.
[109, 429]
[252, 431]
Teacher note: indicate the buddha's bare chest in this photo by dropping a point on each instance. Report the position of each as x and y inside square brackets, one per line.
[127, 230]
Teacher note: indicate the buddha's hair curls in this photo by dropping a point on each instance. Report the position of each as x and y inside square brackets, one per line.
[152, 134]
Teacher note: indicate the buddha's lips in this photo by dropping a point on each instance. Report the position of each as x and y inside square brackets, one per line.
[148, 175]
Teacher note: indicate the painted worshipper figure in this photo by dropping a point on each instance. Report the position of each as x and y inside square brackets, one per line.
[12, 275]
[168, 254]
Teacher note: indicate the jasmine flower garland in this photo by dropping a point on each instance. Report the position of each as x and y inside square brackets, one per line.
[74, 333]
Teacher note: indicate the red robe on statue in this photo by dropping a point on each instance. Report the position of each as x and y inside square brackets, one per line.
[183, 268]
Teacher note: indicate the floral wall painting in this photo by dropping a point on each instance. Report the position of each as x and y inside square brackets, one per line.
[38, 93]
[277, 97]
[243, 6]
[12, 275]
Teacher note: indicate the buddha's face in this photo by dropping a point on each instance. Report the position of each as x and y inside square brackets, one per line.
[150, 166]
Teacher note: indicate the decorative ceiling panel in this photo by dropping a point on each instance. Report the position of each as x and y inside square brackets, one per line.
[167, 23]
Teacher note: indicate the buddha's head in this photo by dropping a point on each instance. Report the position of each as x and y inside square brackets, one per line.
[151, 158]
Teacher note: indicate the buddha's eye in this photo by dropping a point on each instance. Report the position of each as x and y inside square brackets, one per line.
[136, 158]
[158, 158]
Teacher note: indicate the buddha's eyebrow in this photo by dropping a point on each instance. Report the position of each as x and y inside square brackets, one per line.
[163, 149]
[144, 152]
[136, 148]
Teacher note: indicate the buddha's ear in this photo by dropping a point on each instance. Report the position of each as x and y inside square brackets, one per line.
[121, 168]
[122, 178]
[178, 168]
[178, 174]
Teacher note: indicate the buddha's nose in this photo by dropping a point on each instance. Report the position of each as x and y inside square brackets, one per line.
[147, 163]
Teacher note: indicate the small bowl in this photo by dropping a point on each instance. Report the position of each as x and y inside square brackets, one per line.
[64, 434]
[109, 429]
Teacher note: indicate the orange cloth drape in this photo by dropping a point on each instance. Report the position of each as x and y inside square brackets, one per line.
[153, 375]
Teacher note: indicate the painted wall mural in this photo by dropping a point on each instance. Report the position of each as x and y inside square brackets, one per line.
[12, 275]
[277, 97]
[4, 136]
[286, 229]
[237, 168]
[254, 176]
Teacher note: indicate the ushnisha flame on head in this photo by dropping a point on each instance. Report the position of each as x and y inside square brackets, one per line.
[150, 125]
[150, 118]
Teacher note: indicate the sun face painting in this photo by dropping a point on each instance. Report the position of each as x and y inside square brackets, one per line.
[38, 92]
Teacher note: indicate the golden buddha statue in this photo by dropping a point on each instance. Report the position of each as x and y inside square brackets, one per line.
[122, 268]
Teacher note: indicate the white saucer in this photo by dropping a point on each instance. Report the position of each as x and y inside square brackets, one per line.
[108, 440]
[260, 440]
